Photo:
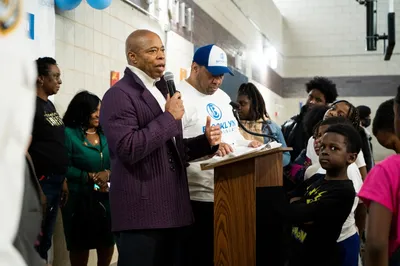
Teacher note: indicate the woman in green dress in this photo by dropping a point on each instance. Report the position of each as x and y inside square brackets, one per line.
[86, 216]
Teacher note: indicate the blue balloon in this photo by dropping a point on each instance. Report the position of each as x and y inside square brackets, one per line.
[99, 4]
[67, 4]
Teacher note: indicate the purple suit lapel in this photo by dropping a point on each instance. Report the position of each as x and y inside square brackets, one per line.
[148, 98]
[155, 108]
[151, 102]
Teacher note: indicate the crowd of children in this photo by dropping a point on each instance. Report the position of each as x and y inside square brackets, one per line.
[327, 208]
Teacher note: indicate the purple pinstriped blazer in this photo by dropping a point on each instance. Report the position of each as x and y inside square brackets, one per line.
[149, 187]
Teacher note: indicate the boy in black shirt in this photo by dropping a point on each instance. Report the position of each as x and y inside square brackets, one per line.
[47, 149]
[321, 204]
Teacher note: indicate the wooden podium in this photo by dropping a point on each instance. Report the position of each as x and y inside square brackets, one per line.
[235, 183]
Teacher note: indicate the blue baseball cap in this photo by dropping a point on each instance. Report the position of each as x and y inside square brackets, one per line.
[213, 59]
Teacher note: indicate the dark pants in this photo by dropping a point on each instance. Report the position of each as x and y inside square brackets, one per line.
[51, 187]
[202, 236]
[156, 247]
[350, 250]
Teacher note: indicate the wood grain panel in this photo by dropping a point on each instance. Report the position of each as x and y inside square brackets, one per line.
[206, 166]
[269, 170]
[234, 214]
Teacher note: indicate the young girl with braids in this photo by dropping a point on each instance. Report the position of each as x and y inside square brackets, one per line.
[344, 109]
[254, 117]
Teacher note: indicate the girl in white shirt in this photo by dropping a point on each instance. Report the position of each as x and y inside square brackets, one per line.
[345, 109]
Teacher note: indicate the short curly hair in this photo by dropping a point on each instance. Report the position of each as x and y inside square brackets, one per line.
[353, 139]
[364, 111]
[325, 86]
[43, 65]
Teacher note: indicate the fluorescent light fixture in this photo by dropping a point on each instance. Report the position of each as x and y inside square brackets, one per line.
[190, 19]
[238, 61]
[391, 6]
[254, 24]
[271, 55]
[182, 15]
[176, 12]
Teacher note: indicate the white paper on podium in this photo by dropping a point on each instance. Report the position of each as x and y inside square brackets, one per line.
[241, 150]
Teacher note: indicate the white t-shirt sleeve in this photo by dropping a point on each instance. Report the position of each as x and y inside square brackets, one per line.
[354, 175]
[310, 152]
[190, 117]
[360, 161]
[312, 170]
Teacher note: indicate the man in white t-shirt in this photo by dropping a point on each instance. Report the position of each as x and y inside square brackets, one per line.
[201, 92]
[17, 105]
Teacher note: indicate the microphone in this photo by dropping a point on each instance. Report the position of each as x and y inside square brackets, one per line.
[169, 78]
[235, 108]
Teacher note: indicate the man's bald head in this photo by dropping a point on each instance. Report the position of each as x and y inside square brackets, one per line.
[136, 41]
[145, 50]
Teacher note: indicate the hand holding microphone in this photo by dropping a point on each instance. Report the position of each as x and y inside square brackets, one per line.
[169, 78]
[174, 103]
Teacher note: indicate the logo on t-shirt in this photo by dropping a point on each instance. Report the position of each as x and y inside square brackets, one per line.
[214, 111]
[53, 119]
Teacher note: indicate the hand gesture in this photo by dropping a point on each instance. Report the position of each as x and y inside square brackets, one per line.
[101, 178]
[224, 149]
[255, 144]
[174, 105]
[213, 133]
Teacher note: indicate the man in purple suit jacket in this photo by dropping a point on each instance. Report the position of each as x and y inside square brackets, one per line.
[149, 196]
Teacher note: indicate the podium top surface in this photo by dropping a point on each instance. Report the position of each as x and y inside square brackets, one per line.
[207, 166]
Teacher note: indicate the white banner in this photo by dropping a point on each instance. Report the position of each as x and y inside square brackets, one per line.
[40, 26]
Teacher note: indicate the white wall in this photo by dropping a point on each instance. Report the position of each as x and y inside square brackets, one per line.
[273, 102]
[292, 108]
[328, 38]
[263, 13]
[179, 54]
[90, 43]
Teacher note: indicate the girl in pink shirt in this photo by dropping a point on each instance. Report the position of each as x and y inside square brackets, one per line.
[381, 193]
